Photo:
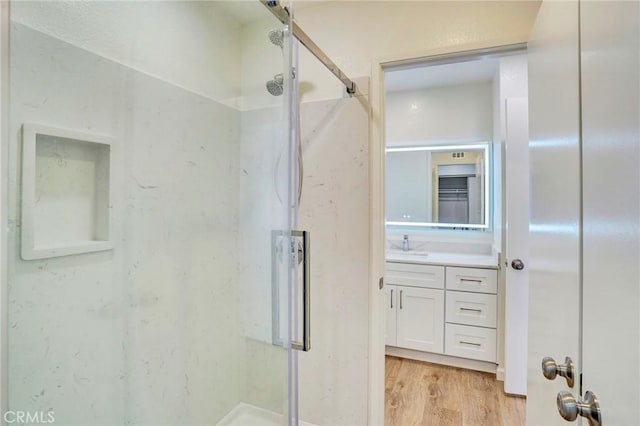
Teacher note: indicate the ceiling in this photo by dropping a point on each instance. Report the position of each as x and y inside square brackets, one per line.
[425, 77]
[245, 11]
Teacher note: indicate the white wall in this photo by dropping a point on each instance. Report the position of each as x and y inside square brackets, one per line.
[354, 33]
[190, 44]
[460, 113]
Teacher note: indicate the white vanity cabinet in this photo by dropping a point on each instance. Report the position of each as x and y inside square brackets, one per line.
[446, 310]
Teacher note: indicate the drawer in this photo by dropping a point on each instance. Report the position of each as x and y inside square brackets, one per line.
[472, 279]
[471, 308]
[470, 342]
[413, 275]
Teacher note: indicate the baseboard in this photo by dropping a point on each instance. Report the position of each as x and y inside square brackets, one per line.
[452, 361]
[500, 374]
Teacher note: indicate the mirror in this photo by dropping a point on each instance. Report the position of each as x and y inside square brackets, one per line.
[443, 186]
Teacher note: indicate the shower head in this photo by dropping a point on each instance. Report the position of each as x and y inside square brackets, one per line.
[276, 86]
[277, 37]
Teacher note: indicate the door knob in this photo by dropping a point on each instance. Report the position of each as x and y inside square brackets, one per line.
[517, 264]
[551, 370]
[570, 409]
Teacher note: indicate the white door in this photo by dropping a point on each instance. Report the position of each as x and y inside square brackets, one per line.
[420, 319]
[554, 230]
[610, 35]
[584, 263]
[391, 297]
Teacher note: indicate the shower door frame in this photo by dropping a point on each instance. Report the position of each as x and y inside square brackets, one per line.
[4, 202]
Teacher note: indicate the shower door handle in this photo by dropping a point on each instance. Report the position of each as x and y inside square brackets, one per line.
[305, 345]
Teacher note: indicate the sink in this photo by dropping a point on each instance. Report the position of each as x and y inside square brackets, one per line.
[409, 253]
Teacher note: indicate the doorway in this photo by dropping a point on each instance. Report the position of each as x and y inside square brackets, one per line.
[444, 124]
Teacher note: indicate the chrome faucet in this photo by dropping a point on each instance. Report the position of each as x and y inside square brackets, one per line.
[405, 243]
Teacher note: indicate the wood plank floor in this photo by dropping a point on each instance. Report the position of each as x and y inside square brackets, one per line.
[419, 393]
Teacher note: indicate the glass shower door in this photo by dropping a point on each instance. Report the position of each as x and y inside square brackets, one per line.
[269, 266]
[151, 165]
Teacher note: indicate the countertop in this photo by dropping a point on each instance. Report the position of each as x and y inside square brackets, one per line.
[447, 259]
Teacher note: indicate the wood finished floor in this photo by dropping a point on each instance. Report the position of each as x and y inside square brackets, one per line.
[419, 393]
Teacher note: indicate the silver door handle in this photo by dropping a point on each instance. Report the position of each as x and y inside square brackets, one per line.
[570, 409]
[517, 264]
[391, 298]
[285, 250]
[551, 370]
[305, 345]
[470, 280]
[471, 310]
[400, 299]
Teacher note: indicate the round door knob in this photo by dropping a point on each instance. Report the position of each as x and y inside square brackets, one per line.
[551, 370]
[570, 409]
[517, 264]
[567, 406]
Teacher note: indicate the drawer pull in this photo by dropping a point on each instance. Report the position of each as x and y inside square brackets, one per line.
[400, 299]
[470, 280]
[471, 310]
[391, 298]
[470, 343]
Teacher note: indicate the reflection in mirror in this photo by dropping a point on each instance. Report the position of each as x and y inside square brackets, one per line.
[445, 186]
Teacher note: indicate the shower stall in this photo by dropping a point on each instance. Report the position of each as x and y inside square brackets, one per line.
[154, 272]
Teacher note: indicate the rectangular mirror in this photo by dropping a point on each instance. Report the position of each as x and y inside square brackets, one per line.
[443, 186]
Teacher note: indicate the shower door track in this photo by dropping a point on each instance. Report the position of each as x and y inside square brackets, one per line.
[283, 16]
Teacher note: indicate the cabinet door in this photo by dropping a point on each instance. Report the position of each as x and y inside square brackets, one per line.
[391, 297]
[420, 319]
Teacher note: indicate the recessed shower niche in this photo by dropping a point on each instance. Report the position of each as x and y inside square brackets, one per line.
[65, 192]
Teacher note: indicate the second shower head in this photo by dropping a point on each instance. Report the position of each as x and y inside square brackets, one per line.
[276, 86]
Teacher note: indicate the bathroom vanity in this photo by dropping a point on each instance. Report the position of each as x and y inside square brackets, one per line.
[442, 308]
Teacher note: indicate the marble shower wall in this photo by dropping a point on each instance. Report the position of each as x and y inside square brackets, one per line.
[147, 332]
